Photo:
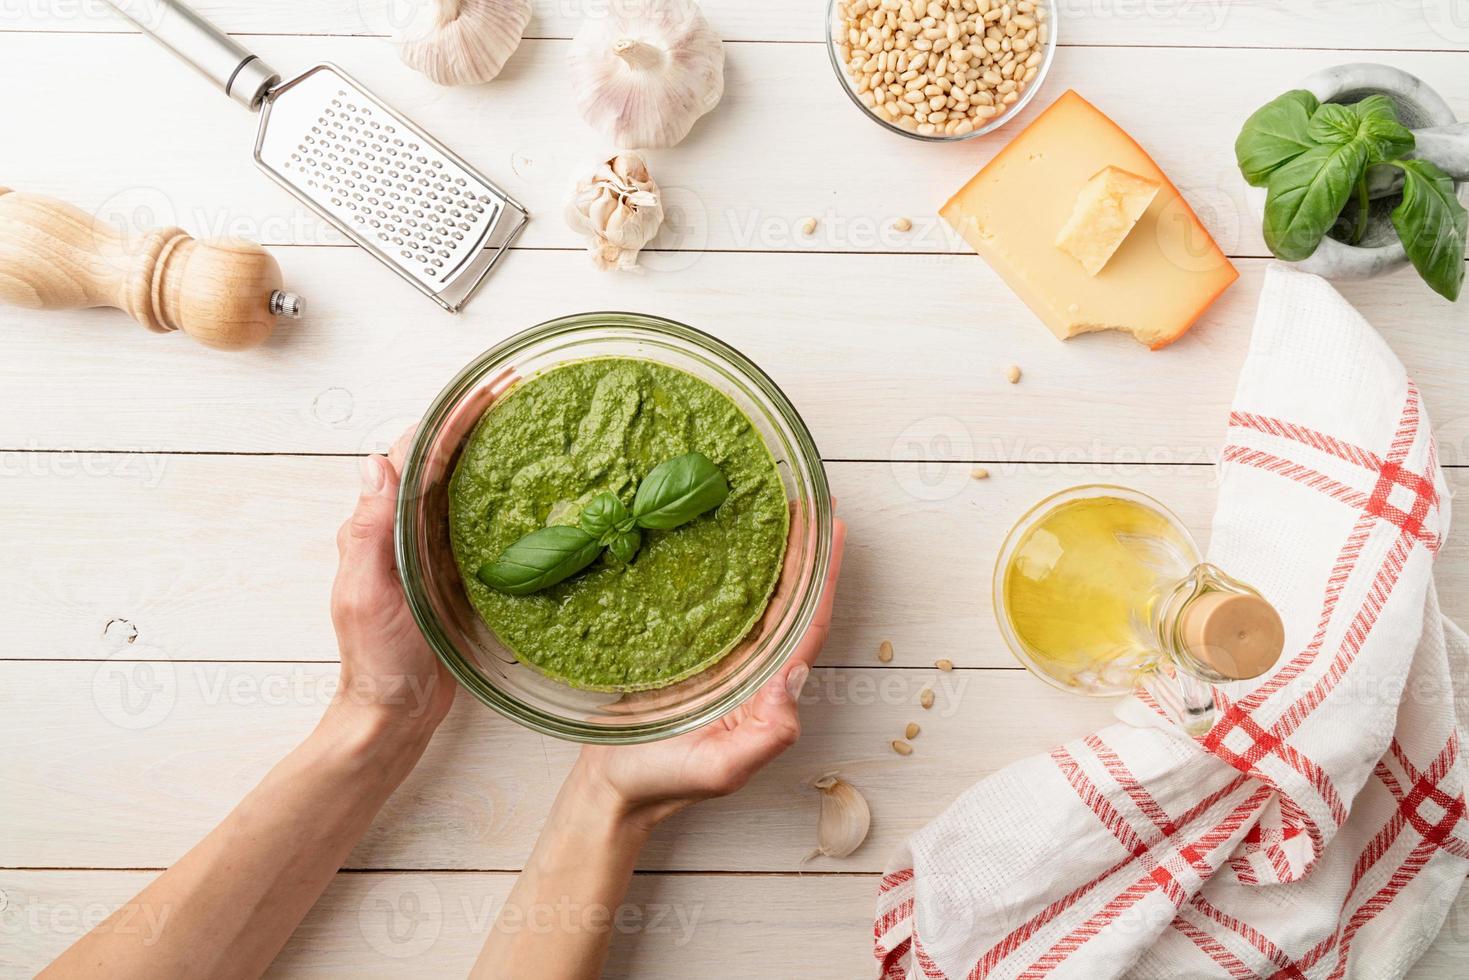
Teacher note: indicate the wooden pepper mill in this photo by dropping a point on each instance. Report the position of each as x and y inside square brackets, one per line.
[225, 293]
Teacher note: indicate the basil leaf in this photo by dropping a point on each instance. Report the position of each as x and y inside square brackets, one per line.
[1433, 225]
[1387, 138]
[1373, 122]
[604, 517]
[1307, 194]
[678, 491]
[625, 544]
[1377, 106]
[1274, 135]
[1333, 124]
[540, 560]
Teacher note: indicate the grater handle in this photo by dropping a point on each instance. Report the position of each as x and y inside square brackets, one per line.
[212, 53]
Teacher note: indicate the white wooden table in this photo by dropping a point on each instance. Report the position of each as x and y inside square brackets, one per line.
[168, 511]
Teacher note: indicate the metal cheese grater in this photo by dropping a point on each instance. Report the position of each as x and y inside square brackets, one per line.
[374, 175]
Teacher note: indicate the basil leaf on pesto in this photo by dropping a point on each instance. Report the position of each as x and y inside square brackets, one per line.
[540, 560]
[625, 544]
[604, 517]
[678, 491]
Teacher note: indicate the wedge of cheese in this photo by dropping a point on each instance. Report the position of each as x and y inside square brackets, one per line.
[1106, 211]
[1160, 278]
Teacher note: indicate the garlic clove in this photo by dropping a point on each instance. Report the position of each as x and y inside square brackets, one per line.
[845, 818]
[645, 72]
[604, 206]
[619, 209]
[463, 42]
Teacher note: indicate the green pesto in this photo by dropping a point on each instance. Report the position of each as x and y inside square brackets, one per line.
[554, 442]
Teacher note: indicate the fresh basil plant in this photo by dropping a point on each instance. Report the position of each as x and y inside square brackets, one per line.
[672, 494]
[1312, 159]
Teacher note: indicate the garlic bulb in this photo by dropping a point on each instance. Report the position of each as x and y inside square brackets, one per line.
[463, 42]
[619, 209]
[646, 71]
[844, 820]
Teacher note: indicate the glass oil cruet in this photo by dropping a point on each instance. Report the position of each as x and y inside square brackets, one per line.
[1100, 589]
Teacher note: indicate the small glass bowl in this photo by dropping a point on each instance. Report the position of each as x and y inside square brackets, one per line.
[472, 652]
[834, 28]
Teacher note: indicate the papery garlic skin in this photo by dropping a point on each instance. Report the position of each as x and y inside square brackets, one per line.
[646, 71]
[845, 818]
[619, 208]
[463, 42]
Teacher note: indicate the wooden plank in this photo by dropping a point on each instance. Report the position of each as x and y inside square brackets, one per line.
[150, 756]
[230, 558]
[878, 371]
[1200, 23]
[524, 131]
[433, 925]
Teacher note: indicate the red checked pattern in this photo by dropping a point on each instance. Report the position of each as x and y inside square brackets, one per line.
[1373, 507]
[1166, 856]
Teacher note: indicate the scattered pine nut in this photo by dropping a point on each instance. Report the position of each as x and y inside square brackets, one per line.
[1012, 374]
[808, 227]
[926, 698]
[944, 664]
[901, 747]
[902, 224]
[980, 473]
[911, 732]
[885, 651]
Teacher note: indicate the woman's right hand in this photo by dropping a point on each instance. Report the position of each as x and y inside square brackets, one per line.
[648, 783]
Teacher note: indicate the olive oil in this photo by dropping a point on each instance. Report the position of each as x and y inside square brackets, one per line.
[1100, 590]
[1080, 583]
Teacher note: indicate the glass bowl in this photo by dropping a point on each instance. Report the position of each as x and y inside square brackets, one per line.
[472, 652]
[836, 35]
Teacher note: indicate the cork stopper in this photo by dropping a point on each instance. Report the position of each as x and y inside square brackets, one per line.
[1237, 635]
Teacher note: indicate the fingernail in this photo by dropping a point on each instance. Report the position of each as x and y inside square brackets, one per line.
[796, 681]
[373, 476]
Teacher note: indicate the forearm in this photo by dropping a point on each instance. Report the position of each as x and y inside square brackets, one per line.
[228, 906]
[559, 917]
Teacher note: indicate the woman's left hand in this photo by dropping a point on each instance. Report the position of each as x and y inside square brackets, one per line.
[389, 675]
[650, 782]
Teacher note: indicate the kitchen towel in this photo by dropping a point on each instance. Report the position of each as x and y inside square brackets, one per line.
[1318, 830]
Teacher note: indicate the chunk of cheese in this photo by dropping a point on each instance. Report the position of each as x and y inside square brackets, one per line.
[1156, 284]
[1106, 210]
